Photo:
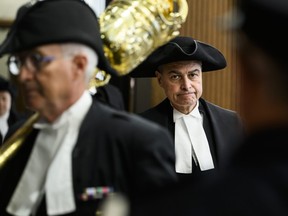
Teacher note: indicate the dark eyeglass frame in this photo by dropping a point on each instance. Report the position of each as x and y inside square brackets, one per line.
[32, 61]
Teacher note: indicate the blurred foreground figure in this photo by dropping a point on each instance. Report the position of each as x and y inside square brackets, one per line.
[256, 180]
[76, 153]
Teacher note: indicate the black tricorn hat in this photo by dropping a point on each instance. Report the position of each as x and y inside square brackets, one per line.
[181, 48]
[55, 21]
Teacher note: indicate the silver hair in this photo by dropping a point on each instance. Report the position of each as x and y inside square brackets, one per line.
[71, 49]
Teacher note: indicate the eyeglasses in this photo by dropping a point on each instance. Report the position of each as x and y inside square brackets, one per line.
[33, 62]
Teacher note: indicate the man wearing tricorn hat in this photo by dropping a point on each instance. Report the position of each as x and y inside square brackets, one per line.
[178, 67]
[77, 152]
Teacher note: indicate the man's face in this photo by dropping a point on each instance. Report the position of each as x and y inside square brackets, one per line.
[182, 83]
[5, 102]
[49, 87]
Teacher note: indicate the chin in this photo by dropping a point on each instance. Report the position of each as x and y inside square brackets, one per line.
[32, 105]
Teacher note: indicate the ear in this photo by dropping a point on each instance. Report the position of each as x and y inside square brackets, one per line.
[159, 77]
[80, 64]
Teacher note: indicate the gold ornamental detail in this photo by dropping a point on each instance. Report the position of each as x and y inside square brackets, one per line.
[133, 29]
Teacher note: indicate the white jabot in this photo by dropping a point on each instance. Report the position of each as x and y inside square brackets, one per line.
[191, 142]
[4, 125]
[50, 165]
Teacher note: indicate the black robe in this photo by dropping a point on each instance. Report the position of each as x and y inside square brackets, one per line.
[114, 149]
[223, 127]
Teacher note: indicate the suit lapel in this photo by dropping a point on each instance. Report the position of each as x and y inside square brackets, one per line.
[216, 129]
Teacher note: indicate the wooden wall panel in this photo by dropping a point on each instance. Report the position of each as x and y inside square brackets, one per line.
[205, 23]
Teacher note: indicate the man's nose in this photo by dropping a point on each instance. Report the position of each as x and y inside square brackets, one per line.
[24, 73]
[186, 83]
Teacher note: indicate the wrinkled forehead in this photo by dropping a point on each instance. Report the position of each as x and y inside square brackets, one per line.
[179, 64]
[5, 93]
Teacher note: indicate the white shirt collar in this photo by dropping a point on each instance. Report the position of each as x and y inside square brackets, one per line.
[4, 124]
[191, 142]
[195, 112]
[56, 142]
[5, 116]
[74, 111]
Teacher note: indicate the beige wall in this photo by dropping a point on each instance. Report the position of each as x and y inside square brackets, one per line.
[8, 10]
[3, 67]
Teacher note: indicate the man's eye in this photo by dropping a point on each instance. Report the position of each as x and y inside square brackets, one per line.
[175, 77]
[36, 58]
[192, 75]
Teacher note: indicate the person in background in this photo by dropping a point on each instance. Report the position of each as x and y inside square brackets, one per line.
[8, 113]
[255, 183]
[203, 133]
[78, 153]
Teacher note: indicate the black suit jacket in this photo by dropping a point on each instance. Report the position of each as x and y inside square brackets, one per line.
[224, 132]
[115, 149]
[223, 127]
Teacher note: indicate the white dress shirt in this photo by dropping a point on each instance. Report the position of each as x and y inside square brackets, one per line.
[191, 142]
[49, 167]
[4, 125]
